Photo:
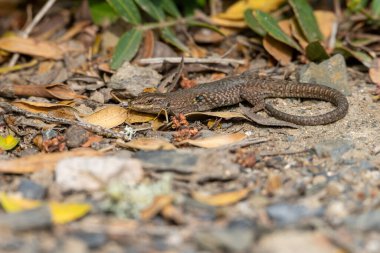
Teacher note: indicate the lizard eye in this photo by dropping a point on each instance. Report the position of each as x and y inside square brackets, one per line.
[199, 98]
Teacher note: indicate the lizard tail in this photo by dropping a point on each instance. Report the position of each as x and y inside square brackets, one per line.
[313, 91]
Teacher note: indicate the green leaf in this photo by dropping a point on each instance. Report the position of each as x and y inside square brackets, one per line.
[127, 9]
[102, 12]
[168, 36]
[169, 7]
[8, 142]
[252, 23]
[306, 20]
[205, 25]
[316, 52]
[363, 57]
[356, 5]
[375, 7]
[270, 25]
[154, 11]
[127, 47]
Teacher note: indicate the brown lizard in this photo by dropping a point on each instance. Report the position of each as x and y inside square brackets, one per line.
[245, 87]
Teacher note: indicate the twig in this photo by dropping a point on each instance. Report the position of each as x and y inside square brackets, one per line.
[90, 127]
[160, 60]
[28, 29]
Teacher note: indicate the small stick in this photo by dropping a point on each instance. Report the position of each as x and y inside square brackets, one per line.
[90, 127]
[214, 60]
[28, 29]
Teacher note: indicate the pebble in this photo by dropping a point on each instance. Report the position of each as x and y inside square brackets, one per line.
[285, 214]
[75, 136]
[31, 190]
[333, 148]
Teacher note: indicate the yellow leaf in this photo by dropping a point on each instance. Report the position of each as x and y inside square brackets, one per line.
[8, 142]
[15, 204]
[62, 213]
[221, 199]
[236, 11]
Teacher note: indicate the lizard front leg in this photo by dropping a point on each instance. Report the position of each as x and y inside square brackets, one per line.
[255, 99]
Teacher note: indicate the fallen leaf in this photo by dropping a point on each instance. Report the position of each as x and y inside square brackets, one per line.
[61, 213]
[236, 11]
[158, 204]
[107, 117]
[216, 141]
[221, 199]
[326, 21]
[8, 142]
[228, 23]
[41, 161]
[138, 117]
[7, 69]
[374, 71]
[56, 110]
[148, 144]
[280, 51]
[29, 46]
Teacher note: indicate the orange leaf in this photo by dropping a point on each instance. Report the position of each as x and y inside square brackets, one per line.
[221, 199]
[32, 47]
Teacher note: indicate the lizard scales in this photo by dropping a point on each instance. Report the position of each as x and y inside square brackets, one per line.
[246, 87]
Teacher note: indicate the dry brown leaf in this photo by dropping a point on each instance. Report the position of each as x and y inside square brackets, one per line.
[61, 91]
[325, 20]
[138, 117]
[216, 141]
[159, 203]
[29, 46]
[274, 183]
[41, 161]
[221, 199]
[56, 110]
[374, 71]
[297, 33]
[58, 91]
[107, 117]
[148, 144]
[280, 51]
[74, 30]
[223, 115]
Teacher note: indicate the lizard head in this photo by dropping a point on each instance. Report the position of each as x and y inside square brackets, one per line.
[150, 103]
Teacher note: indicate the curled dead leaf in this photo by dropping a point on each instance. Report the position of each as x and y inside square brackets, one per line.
[216, 141]
[147, 144]
[107, 117]
[221, 199]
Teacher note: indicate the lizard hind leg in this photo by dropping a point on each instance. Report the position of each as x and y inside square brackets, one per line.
[256, 101]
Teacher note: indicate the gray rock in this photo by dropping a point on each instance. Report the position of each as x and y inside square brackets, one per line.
[183, 162]
[285, 214]
[331, 72]
[225, 240]
[134, 79]
[333, 148]
[31, 190]
[366, 221]
[39, 217]
[92, 240]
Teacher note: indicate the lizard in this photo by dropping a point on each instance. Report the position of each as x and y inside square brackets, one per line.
[248, 87]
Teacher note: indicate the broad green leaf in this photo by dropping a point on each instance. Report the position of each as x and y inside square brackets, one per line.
[102, 12]
[375, 7]
[127, 47]
[168, 36]
[169, 7]
[127, 9]
[252, 23]
[204, 25]
[356, 5]
[8, 142]
[270, 25]
[154, 11]
[363, 57]
[306, 20]
[316, 52]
